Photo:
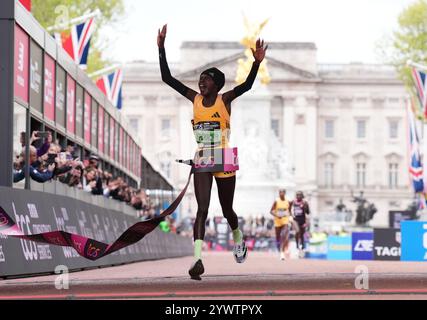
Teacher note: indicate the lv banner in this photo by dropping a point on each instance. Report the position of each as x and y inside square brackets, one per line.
[40, 231]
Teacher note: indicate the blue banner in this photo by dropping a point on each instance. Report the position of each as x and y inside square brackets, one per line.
[363, 246]
[414, 241]
[339, 248]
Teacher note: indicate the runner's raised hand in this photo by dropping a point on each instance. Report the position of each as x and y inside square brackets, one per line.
[259, 52]
[161, 36]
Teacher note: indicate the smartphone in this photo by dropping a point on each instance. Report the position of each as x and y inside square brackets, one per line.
[43, 134]
[51, 158]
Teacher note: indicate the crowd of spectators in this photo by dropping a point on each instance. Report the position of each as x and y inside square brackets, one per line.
[49, 161]
[258, 227]
[258, 232]
[253, 227]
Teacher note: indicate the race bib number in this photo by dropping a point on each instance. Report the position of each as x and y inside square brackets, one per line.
[282, 213]
[298, 210]
[208, 134]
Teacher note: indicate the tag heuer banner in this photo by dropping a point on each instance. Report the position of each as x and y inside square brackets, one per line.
[387, 244]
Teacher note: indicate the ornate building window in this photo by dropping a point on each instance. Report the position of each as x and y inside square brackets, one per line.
[166, 128]
[393, 126]
[328, 169]
[393, 175]
[393, 163]
[361, 174]
[361, 129]
[329, 174]
[329, 129]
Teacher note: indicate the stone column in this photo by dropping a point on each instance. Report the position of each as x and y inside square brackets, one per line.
[289, 125]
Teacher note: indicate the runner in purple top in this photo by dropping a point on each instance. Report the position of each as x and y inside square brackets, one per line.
[300, 210]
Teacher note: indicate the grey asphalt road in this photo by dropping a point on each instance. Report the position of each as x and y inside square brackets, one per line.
[263, 276]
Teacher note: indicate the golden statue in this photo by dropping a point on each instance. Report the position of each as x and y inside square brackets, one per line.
[253, 31]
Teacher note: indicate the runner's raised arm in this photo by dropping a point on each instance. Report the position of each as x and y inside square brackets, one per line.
[164, 68]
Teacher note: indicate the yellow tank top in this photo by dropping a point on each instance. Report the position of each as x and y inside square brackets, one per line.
[282, 209]
[211, 125]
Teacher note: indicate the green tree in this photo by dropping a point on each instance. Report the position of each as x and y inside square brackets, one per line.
[409, 42]
[111, 12]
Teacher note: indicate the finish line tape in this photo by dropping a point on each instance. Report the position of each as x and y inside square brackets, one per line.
[89, 248]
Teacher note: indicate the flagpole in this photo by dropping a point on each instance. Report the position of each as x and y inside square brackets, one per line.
[77, 20]
[104, 71]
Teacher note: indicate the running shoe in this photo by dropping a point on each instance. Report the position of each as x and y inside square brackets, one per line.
[282, 256]
[301, 253]
[240, 252]
[196, 270]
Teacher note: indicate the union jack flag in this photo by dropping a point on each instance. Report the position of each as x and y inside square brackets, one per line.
[415, 166]
[26, 4]
[420, 81]
[111, 85]
[77, 42]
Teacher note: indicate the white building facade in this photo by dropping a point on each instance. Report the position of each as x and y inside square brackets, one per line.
[325, 129]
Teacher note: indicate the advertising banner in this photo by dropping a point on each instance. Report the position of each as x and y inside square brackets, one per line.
[363, 246]
[94, 131]
[106, 133]
[36, 72]
[112, 136]
[121, 146]
[101, 129]
[139, 162]
[414, 241]
[71, 105]
[387, 244]
[60, 96]
[79, 111]
[135, 168]
[117, 141]
[339, 248]
[129, 148]
[37, 212]
[21, 64]
[132, 143]
[87, 117]
[317, 246]
[49, 88]
[125, 149]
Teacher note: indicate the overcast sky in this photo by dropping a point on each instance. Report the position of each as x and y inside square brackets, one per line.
[343, 30]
